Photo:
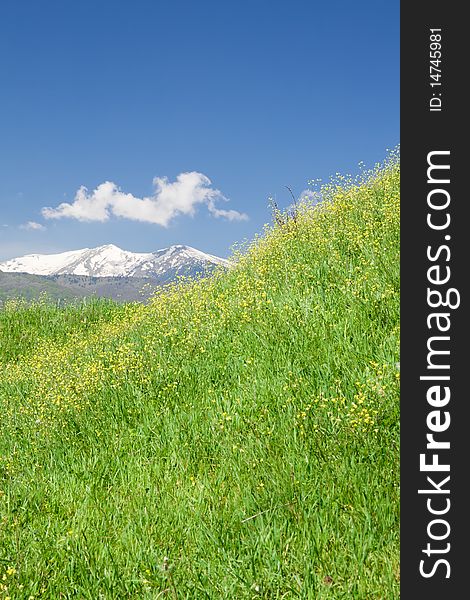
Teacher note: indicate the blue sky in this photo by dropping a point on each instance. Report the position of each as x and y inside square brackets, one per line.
[195, 113]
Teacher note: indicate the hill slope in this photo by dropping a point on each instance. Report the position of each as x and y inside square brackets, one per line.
[236, 438]
[69, 288]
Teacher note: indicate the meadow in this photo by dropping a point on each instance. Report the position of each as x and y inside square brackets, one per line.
[236, 438]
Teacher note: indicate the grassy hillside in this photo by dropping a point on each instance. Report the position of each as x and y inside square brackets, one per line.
[236, 438]
[31, 287]
[68, 288]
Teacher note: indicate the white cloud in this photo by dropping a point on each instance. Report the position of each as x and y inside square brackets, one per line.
[169, 200]
[230, 215]
[32, 226]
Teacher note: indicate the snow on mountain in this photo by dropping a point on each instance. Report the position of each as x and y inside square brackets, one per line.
[111, 261]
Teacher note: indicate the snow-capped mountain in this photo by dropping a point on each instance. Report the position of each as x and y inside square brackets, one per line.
[111, 261]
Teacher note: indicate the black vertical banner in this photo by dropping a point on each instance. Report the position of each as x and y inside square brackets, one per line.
[434, 316]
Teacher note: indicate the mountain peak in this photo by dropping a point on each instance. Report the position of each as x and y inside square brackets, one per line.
[111, 261]
[108, 247]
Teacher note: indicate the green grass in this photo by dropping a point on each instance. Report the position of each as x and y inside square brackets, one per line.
[236, 438]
